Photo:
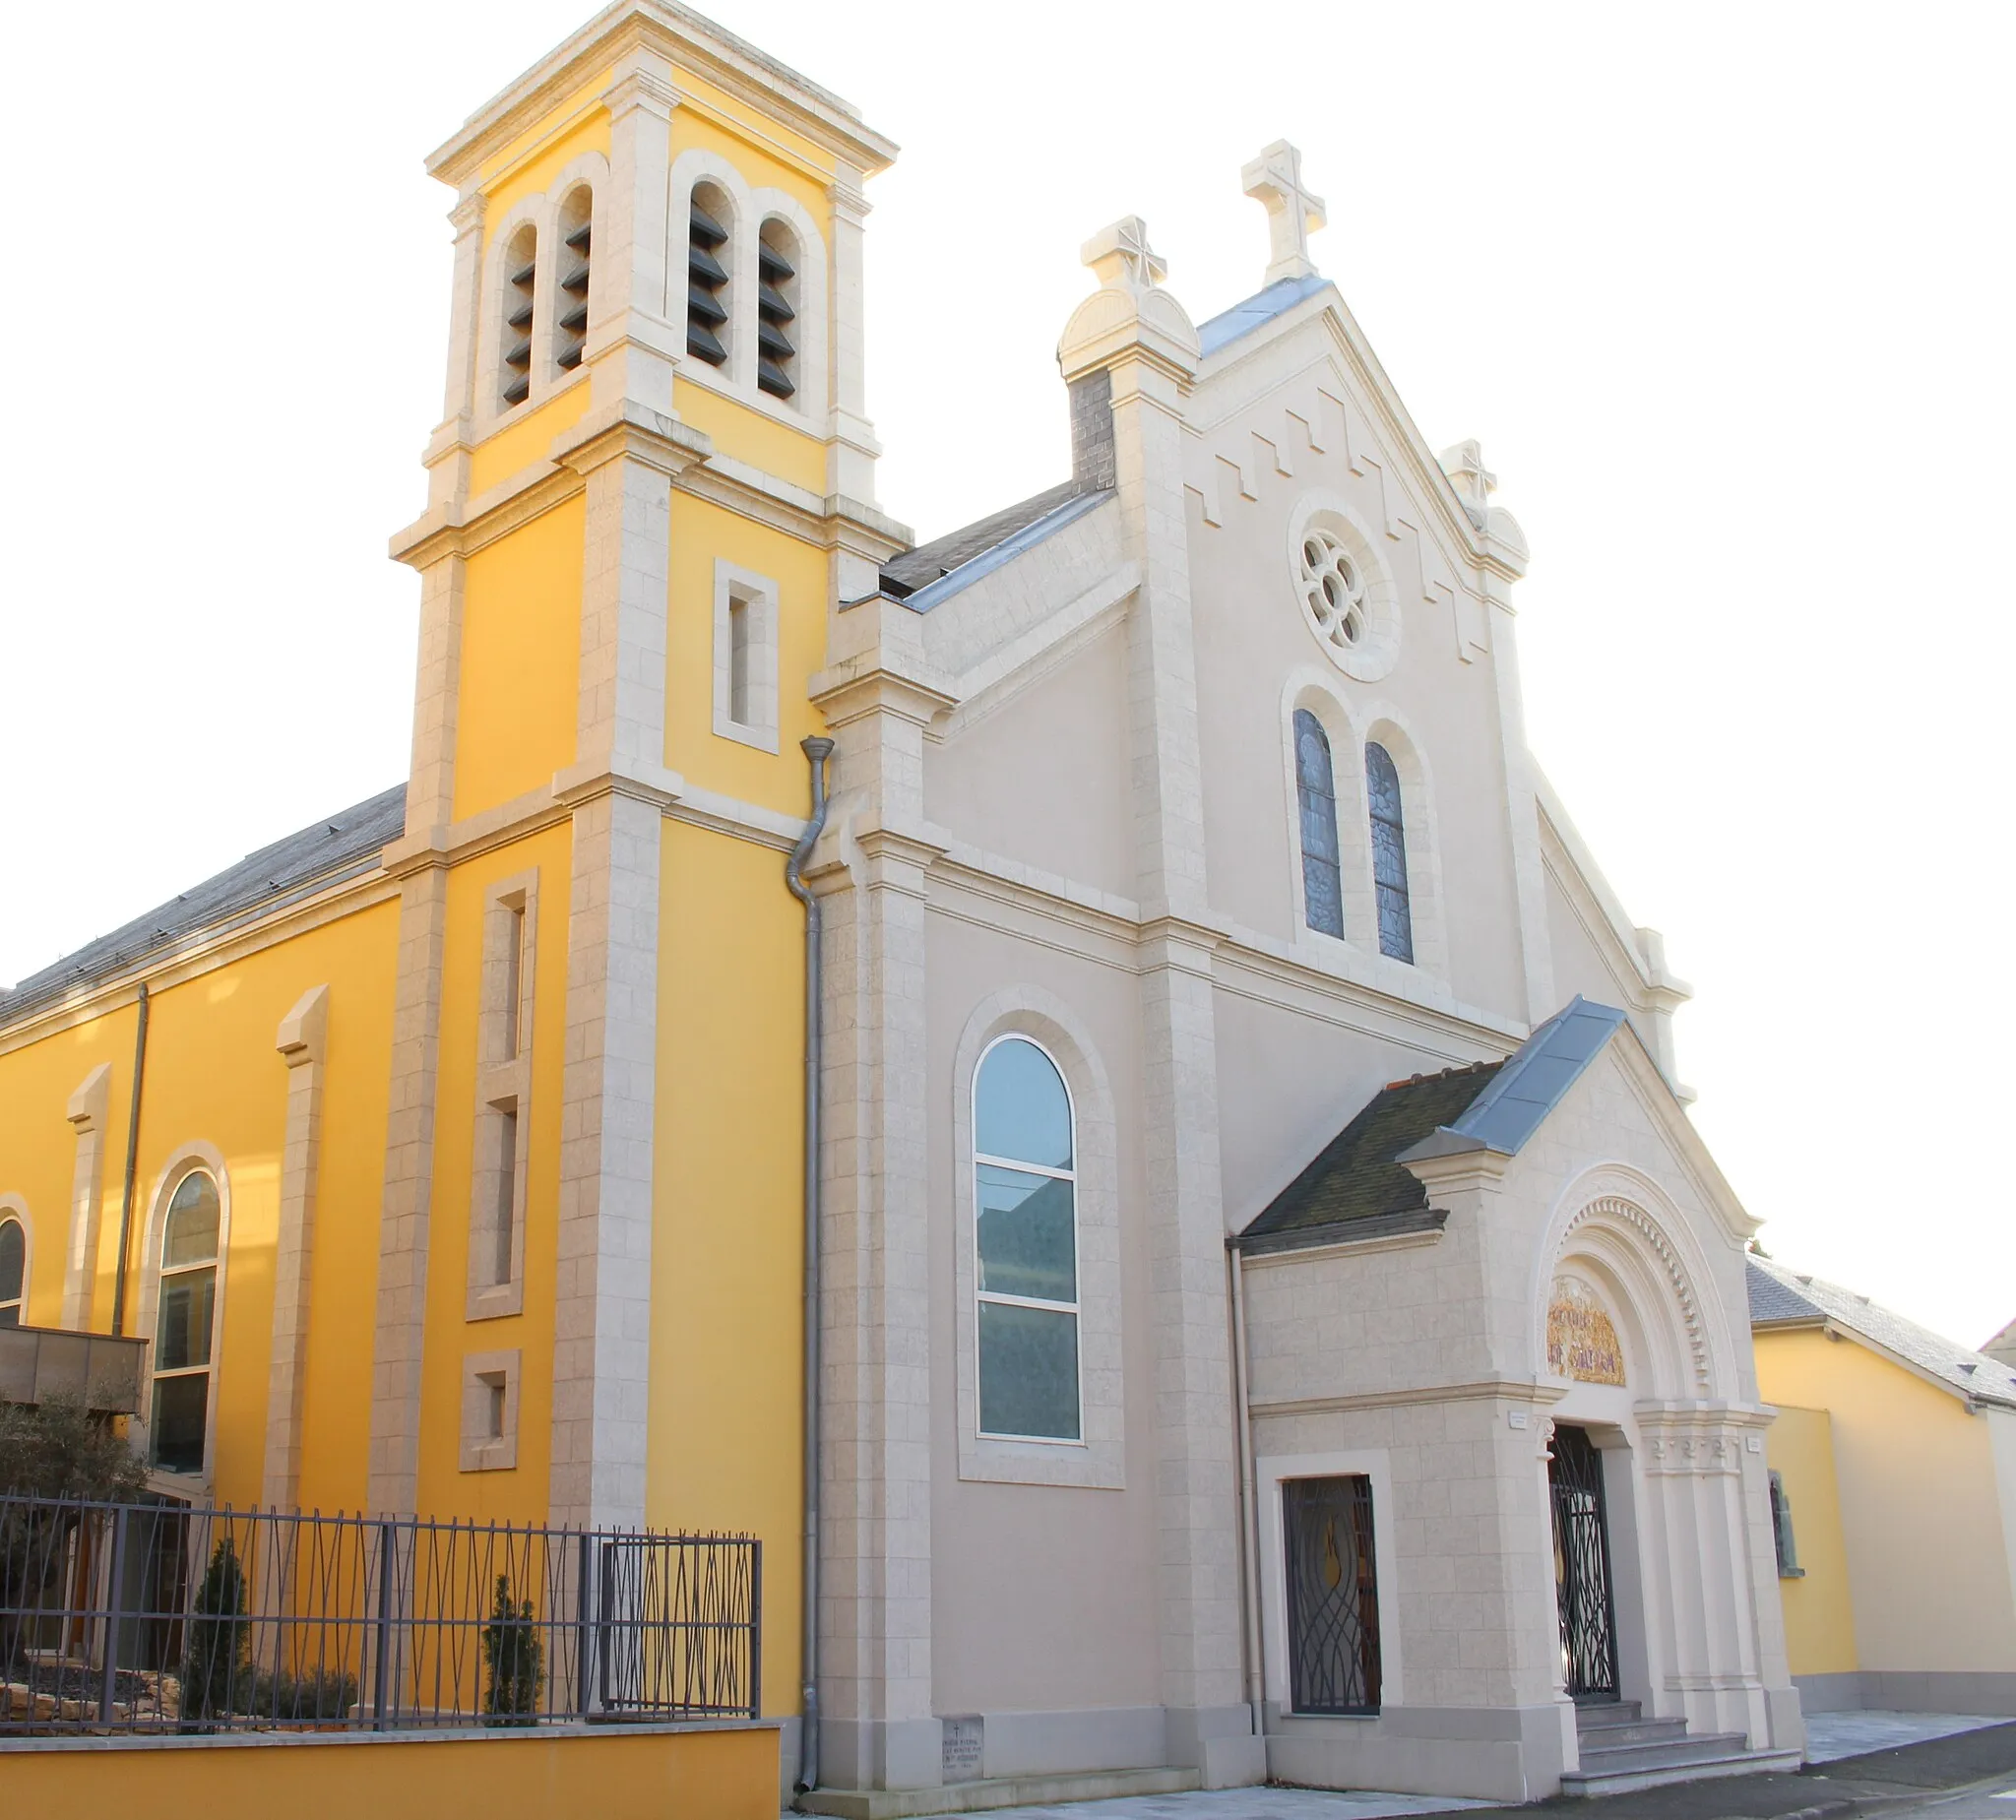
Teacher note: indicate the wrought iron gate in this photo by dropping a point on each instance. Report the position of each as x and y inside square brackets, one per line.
[1333, 1601]
[1582, 1568]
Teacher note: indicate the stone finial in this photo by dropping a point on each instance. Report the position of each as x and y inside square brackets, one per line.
[1294, 211]
[1464, 463]
[1121, 258]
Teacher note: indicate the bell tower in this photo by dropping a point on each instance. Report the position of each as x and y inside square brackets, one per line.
[652, 484]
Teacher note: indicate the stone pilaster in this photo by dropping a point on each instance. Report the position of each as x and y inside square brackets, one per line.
[302, 1041]
[447, 459]
[87, 1114]
[877, 1728]
[638, 312]
[1139, 338]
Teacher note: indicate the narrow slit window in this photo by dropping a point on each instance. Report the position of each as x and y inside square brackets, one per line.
[577, 253]
[706, 279]
[1316, 805]
[521, 267]
[495, 1386]
[504, 1227]
[1389, 855]
[1782, 1537]
[741, 616]
[13, 1273]
[513, 1015]
[776, 310]
[185, 1324]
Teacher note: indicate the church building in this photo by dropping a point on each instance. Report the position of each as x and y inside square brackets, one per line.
[1074, 1077]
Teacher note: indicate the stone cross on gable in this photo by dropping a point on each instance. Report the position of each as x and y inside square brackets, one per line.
[1123, 257]
[1294, 212]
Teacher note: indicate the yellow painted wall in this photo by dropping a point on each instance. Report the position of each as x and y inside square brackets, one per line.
[727, 1249]
[577, 125]
[712, 1775]
[521, 660]
[213, 1077]
[525, 441]
[1929, 1567]
[753, 436]
[1819, 1615]
[518, 1494]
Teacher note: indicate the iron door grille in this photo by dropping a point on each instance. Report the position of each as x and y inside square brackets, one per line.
[1582, 1568]
[1333, 1600]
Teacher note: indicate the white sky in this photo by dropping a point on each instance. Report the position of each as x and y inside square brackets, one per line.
[1724, 290]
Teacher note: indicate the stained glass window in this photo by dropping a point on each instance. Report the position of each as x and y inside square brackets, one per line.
[1389, 855]
[1316, 803]
[185, 1327]
[1026, 1245]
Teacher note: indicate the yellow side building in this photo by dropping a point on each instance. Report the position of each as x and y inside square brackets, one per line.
[422, 1146]
[1893, 1469]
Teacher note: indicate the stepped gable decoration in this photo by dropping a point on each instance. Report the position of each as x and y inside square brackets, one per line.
[1582, 1338]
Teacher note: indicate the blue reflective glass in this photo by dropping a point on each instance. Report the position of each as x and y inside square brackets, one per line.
[190, 1232]
[1316, 805]
[1019, 1108]
[1028, 1237]
[1389, 855]
[1029, 1372]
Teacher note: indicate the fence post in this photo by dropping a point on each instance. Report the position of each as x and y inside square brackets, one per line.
[584, 1636]
[116, 1575]
[756, 1627]
[383, 1673]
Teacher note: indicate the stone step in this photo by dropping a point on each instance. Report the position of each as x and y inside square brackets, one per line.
[1602, 1711]
[1631, 1732]
[1626, 1781]
[974, 1797]
[1661, 1753]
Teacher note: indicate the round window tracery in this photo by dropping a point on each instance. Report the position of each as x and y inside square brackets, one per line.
[1332, 590]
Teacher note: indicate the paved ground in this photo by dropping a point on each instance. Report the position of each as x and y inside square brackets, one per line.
[1873, 1762]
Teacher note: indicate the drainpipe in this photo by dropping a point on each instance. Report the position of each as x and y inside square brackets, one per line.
[817, 751]
[1249, 1497]
[132, 1166]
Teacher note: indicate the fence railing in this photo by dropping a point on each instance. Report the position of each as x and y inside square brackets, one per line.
[154, 1617]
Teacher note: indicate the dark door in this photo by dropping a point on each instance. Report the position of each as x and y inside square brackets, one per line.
[1582, 1568]
[1333, 1600]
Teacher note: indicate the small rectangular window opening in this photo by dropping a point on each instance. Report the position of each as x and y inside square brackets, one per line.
[1782, 1537]
[514, 975]
[504, 1227]
[495, 1386]
[741, 624]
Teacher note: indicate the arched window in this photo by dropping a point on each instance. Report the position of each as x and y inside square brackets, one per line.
[577, 249]
[520, 263]
[1316, 799]
[184, 1329]
[777, 309]
[13, 1273]
[1026, 1237]
[1389, 855]
[707, 278]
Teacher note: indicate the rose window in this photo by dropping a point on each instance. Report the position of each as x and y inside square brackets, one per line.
[1332, 590]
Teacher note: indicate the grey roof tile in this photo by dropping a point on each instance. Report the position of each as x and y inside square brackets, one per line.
[336, 847]
[917, 568]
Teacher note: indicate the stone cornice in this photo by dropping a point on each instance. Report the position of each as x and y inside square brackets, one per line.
[1526, 1392]
[863, 685]
[633, 431]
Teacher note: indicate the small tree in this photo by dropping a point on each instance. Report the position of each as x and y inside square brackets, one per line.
[217, 1661]
[511, 1648]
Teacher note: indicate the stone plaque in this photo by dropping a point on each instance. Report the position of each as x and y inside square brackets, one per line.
[1581, 1341]
[963, 1738]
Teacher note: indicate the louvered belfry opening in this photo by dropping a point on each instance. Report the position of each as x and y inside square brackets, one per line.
[776, 268]
[707, 279]
[577, 252]
[521, 262]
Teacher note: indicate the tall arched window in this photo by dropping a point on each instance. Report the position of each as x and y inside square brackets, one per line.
[1026, 1236]
[184, 1329]
[1389, 855]
[521, 266]
[13, 1273]
[707, 277]
[1316, 799]
[577, 252]
[776, 288]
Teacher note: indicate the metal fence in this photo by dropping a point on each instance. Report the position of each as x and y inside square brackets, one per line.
[155, 1617]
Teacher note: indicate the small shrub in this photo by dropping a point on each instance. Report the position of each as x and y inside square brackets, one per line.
[303, 1699]
[217, 1667]
[511, 1648]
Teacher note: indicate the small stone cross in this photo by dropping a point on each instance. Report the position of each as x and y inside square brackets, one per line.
[1294, 212]
[1123, 257]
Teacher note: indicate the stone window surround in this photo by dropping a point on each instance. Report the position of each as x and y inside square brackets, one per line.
[542, 211]
[183, 1162]
[1350, 729]
[14, 1207]
[1374, 654]
[503, 1087]
[483, 1375]
[808, 407]
[1098, 1461]
[1269, 1473]
[758, 594]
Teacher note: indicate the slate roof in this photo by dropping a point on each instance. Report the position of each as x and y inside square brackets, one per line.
[1261, 308]
[1779, 1298]
[1356, 1187]
[335, 847]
